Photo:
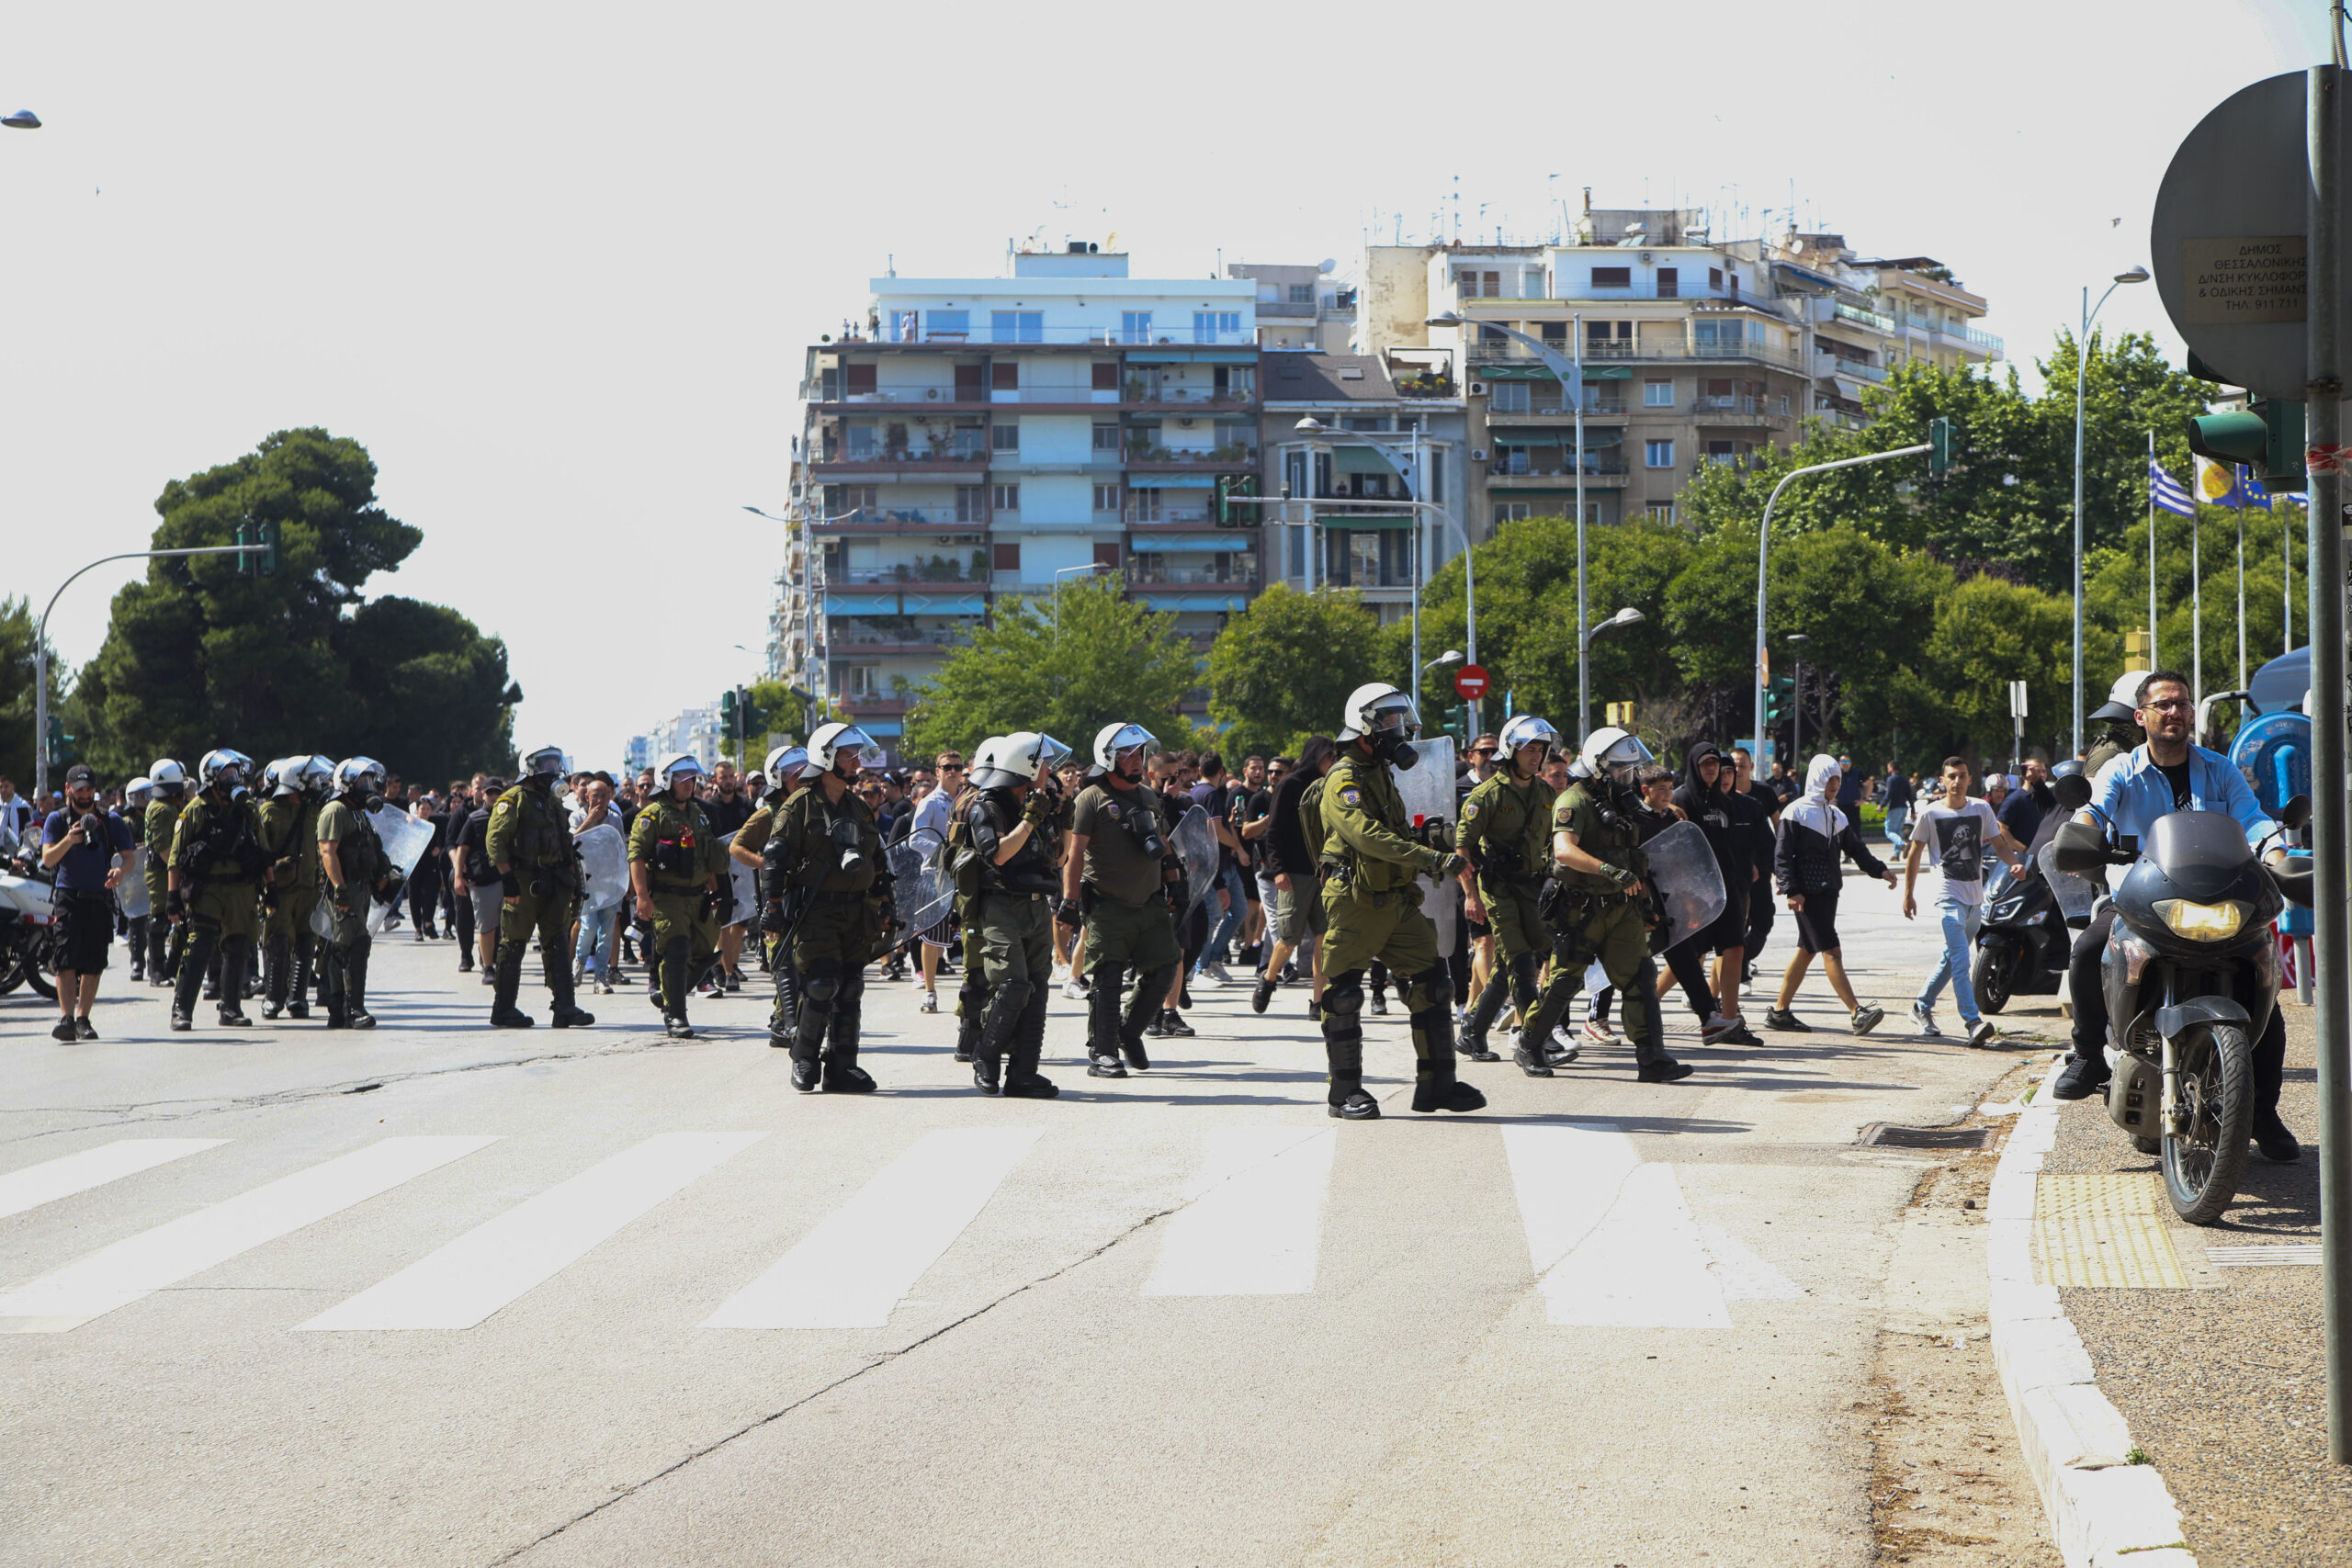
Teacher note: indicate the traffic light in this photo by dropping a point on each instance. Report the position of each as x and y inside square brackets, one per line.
[2266, 436]
[1621, 714]
[266, 535]
[62, 747]
[1939, 447]
[748, 716]
[1780, 700]
[2135, 646]
[729, 719]
[1228, 486]
[245, 551]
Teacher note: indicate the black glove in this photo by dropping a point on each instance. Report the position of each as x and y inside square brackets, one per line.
[510, 885]
[174, 905]
[1450, 866]
[1038, 808]
[1068, 914]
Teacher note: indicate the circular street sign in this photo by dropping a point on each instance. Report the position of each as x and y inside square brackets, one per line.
[1470, 681]
[2226, 243]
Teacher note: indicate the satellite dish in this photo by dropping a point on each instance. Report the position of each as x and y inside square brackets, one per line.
[1327, 267]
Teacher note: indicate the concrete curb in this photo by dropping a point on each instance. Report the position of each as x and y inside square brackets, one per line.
[2104, 1511]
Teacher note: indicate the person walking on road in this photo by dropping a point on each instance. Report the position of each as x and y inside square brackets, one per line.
[216, 867]
[1814, 833]
[1506, 833]
[1951, 835]
[828, 851]
[89, 852]
[529, 845]
[1115, 868]
[165, 937]
[1895, 795]
[676, 869]
[289, 837]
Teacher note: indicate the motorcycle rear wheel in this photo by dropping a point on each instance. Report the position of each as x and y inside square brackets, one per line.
[1988, 976]
[2202, 1165]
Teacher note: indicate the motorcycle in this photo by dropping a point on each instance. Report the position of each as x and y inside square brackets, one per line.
[28, 938]
[2190, 976]
[2031, 921]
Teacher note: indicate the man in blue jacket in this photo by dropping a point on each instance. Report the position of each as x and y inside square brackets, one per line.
[2168, 774]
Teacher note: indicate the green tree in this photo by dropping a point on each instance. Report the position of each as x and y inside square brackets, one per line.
[17, 690]
[1107, 659]
[201, 655]
[1282, 669]
[1987, 634]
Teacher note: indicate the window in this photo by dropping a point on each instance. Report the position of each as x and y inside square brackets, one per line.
[1512, 512]
[860, 682]
[1323, 474]
[1494, 285]
[1669, 282]
[1363, 422]
[1364, 557]
[1295, 472]
[1106, 498]
[1005, 435]
[1612, 277]
[1298, 552]
[968, 378]
[1107, 437]
[1408, 422]
[1134, 326]
[859, 441]
[1302, 294]
[1782, 405]
[859, 379]
[1658, 454]
[1556, 332]
[1107, 554]
[1711, 336]
[1214, 326]
[1661, 511]
[1017, 327]
[1722, 452]
[966, 440]
[1004, 375]
[1005, 556]
[1657, 394]
[1714, 277]
[1436, 489]
[1008, 498]
[841, 499]
[1145, 505]
[1107, 375]
[971, 503]
[950, 323]
[1509, 397]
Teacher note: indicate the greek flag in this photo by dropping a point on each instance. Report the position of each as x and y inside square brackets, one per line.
[2165, 494]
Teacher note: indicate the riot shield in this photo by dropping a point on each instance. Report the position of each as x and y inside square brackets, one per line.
[1688, 884]
[1427, 786]
[405, 840]
[921, 893]
[1195, 843]
[131, 893]
[603, 857]
[745, 883]
[2075, 894]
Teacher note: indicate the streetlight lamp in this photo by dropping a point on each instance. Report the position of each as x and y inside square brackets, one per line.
[1570, 374]
[1624, 617]
[2082, 360]
[1450, 656]
[1310, 425]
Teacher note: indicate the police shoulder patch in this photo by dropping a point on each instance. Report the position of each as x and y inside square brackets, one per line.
[1353, 795]
[1114, 810]
[1469, 810]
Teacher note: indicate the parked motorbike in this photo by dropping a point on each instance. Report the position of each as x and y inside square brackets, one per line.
[27, 947]
[2190, 975]
[2030, 920]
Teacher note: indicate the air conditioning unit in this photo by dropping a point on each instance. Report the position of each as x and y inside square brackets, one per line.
[1477, 389]
[930, 394]
[1478, 454]
[1185, 424]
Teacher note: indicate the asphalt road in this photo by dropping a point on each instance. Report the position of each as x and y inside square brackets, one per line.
[436, 1294]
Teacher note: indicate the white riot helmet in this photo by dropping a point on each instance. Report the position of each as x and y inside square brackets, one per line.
[139, 791]
[224, 767]
[785, 759]
[166, 774]
[833, 742]
[1611, 754]
[1113, 739]
[681, 766]
[359, 775]
[2122, 699]
[1525, 730]
[273, 776]
[550, 761]
[311, 775]
[1018, 758]
[1386, 714]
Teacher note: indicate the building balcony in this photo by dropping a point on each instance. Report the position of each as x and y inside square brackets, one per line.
[1243, 573]
[1554, 413]
[1428, 387]
[1286, 309]
[904, 575]
[813, 390]
[1835, 365]
[1982, 342]
[1144, 459]
[1650, 350]
[1169, 513]
[1862, 316]
[882, 464]
[1062, 397]
[1178, 331]
[1602, 473]
[1712, 409]
[871, 707]
[892, 519]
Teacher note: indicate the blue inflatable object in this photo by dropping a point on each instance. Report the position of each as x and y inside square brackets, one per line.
[2274, 751]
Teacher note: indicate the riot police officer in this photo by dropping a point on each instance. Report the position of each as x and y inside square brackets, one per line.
[357, 872]
[1009, 927]
[676, 869]
[529, 844]
[2119, 721]
[162, 820]
[784, 768]
[827, 857]
[1116, 872]
[216, 864]
[1506, 834]
[972, 996]
[1598, 910]
[1372, 909]
[289, 837]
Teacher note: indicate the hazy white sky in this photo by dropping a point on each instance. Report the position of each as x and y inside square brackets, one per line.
[555, 265]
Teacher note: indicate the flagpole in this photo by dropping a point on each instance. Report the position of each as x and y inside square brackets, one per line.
[2287, 574]
[2153, 663]
[2196, 620]
[2240, 601]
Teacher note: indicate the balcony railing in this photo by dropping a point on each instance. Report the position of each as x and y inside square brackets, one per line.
[1232, 454]
[921, 637]
[904, 575]
[926, 516]
[1718, 409]
[1166, 513]
[1973, 338]
[1540, 408]
[1838, 365]
[1866, 318]
[1054, 395]
[1176, 331]
[900, 457]
[893, 397]
[1516, 463]
[1139, 391]
[1618, 350]
[1242, 574]
[1428, 387]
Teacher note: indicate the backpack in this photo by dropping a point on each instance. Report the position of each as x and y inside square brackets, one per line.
[963, 857]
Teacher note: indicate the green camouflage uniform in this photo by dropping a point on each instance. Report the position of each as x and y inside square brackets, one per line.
[530, 834]
[673, 839]
[289, 837]
[832, 862]
[217, 849]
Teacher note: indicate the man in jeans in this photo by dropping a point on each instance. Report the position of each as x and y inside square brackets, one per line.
[1214, 794]
[90, 853]
[1950, 834]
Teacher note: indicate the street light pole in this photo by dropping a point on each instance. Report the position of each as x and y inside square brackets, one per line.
[1796, 708]
[2082, 362]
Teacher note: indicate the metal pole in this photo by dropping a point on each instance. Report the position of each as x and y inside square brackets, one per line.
[2241, 686]
[1584, 642]
[2082, 356]
[2196, 621]
[2153, 663]
[2332, 873]
[2287, 574]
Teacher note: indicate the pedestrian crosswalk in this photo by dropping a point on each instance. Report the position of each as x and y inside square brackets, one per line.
[1612, 1240]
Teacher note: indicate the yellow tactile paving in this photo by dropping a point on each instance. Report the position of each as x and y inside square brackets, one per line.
[2105, 1231]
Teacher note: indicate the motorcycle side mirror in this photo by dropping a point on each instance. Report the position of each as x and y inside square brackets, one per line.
[2296, 815]
[2295, 881]
[2073, 791]
[2078, 847]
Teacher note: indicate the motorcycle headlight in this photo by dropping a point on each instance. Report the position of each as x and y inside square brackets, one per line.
[2201, 922]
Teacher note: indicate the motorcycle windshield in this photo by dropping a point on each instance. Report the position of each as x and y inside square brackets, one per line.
[2198, 841]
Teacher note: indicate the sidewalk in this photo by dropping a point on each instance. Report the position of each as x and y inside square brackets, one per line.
[2215, 1363]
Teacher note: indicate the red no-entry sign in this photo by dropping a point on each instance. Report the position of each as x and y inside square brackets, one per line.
[1470, 681]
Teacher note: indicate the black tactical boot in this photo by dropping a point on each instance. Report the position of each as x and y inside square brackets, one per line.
[274, 977]
[566, 1013]
[842, 1075]
[503, 1013]
[233, 959]
[298, 1000]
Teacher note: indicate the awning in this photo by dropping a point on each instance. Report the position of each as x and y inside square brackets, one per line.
[1608, 372]
[840, 603]
[1539, 438]
[1194, 357]
[1513, 373]
[1232, 603]
[970, 603]
[1231, 539]
[1144, 480]
[1360, 461]
[879, 728]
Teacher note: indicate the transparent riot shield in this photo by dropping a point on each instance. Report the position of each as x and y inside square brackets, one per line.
[603, 857]
[2075, 894]
[131, 893]
[921, 893]
[1427, 786]
[744, 882]
[1688, 884]
[1195, 843]
[405, 840]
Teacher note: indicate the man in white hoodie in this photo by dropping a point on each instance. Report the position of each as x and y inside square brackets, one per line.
[1814, 833]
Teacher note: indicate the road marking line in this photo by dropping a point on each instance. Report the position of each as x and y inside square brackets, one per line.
[498, 1260]
[53, 1179]
[1565, 1178]
[855, 1268]
[1257, 1217]
[1745, 1275]
[137, 1266]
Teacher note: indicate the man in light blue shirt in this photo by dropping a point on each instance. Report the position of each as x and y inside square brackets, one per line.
[2164, 775]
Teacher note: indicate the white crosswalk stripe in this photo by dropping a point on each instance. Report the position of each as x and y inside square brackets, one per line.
[863, 1258]
[118, 1275]
[53, 1179]
[1254, 1223]
[495, 1263]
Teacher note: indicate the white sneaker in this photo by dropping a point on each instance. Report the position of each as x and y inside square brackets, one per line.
[1598, 1031]
[1981, 1033]
[1210, 975]
[1924, 1018]
[1074, 990]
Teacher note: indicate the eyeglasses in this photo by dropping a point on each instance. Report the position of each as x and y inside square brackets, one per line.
[2170, 704]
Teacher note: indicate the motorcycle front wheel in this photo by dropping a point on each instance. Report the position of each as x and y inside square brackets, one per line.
[2216, 1088]
[40, 959]
[1988, 976]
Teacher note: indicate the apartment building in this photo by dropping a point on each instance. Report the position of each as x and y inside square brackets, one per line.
[1694, 351]
[986, 437]
[1300, 307]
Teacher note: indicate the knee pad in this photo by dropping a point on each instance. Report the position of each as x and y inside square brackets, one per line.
[821, 987]
[1013, 996]
[853, 988]
[1436, 987]
[1343, 994]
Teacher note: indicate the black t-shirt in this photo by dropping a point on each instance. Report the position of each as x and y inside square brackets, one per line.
[1286, 839]
[474, 839]
[726, 815]
[1259, 806]
[1214, 799]
[2176, 776]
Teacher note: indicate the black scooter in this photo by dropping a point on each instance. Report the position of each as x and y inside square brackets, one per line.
[2190, 974]
[2022, 946]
